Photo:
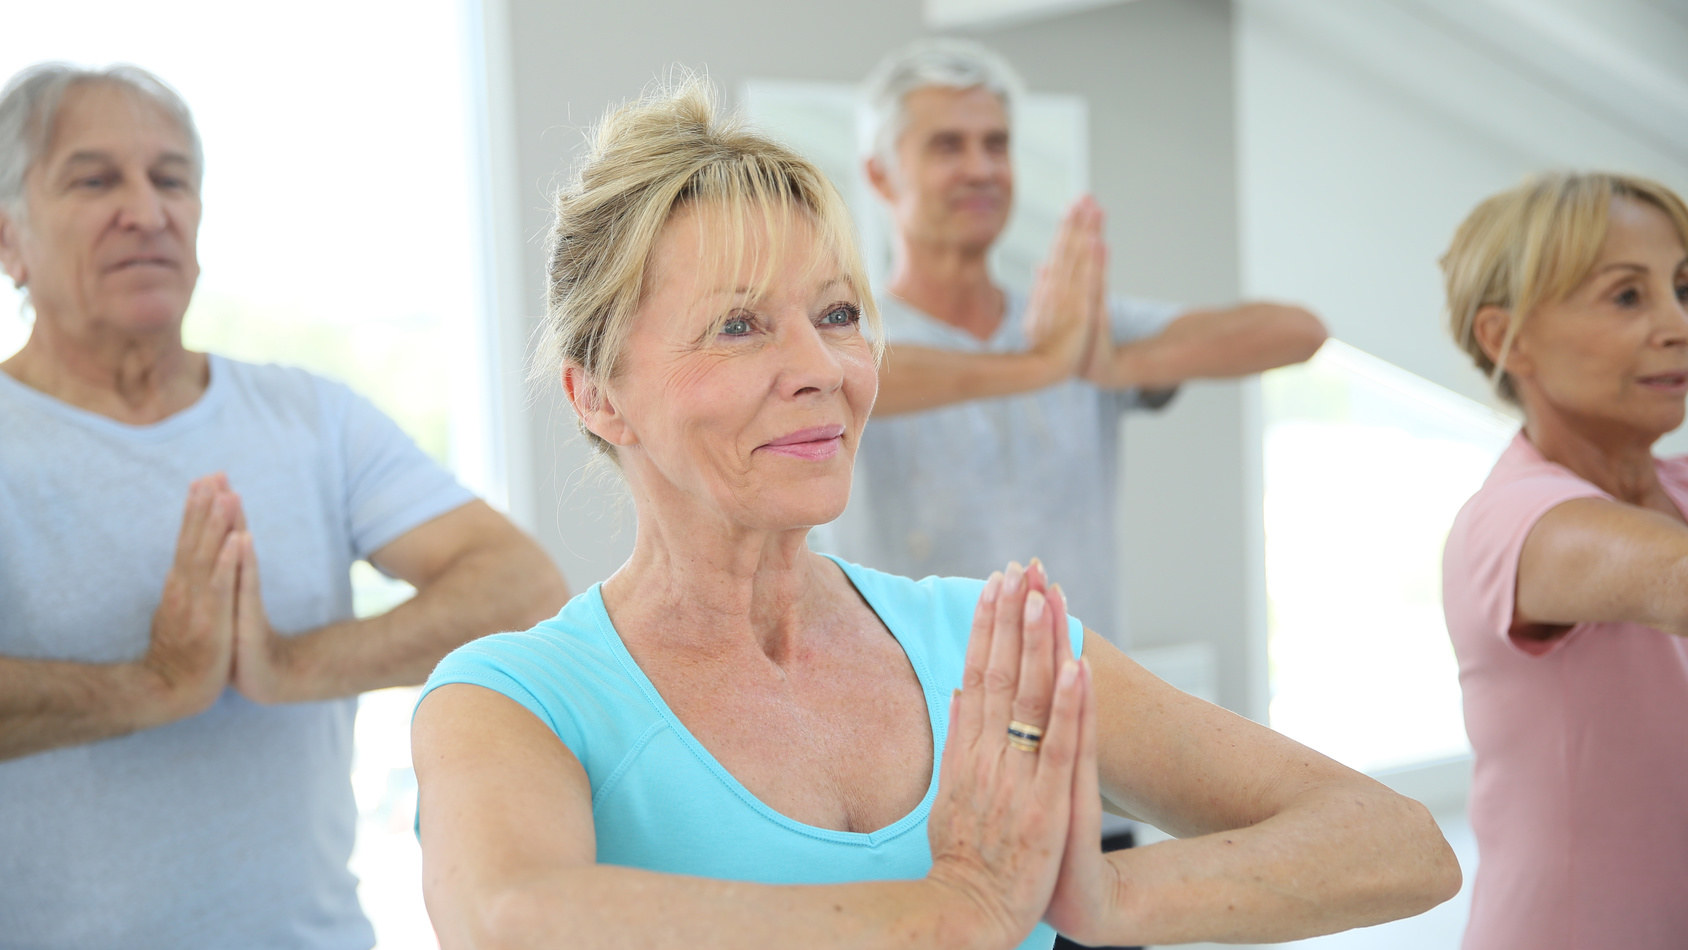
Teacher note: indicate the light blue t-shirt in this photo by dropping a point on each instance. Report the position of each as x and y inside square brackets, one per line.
[660, 800]
[231, 828]
[966, 488]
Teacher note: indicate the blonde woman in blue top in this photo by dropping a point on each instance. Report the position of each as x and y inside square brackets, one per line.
[736, 742]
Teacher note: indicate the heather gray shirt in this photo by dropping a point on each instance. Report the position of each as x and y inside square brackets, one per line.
[964, 489]
[231, 828]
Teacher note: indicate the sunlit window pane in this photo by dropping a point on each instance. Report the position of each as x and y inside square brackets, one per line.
[1365, 467]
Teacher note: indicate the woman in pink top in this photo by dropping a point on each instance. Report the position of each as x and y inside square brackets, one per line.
[1565, 578]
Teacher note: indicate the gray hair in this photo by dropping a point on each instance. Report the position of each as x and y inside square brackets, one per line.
[29, 110]
[937, 61]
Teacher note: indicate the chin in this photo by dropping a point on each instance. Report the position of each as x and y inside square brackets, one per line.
[153, 315]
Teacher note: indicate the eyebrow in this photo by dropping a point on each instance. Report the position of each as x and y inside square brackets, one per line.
[97, 157]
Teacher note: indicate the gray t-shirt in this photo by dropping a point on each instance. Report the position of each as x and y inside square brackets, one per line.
[964, 489]
[231, 828]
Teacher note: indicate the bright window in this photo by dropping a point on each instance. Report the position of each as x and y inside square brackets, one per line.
[1365, 467]
[341, 233]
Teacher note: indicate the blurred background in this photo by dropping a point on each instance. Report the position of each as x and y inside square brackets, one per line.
[376, 200]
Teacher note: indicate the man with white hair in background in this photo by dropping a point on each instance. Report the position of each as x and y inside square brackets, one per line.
[175, 720]
[994, 406]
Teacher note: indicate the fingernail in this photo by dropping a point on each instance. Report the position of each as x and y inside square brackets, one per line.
[1016, 574]
[992, 585]
[1069, 673]
[1034, 606]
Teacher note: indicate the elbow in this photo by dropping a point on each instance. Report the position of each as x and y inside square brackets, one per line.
[507, 919]
[1432, 875]
[1304, 333]
[533, 589]
[547, 594]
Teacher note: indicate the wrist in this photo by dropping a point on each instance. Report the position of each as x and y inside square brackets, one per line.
[962, 917]
[139, 696]
[1046, 368]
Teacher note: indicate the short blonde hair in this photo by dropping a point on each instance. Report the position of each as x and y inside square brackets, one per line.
[1535, 244]
[647, 161]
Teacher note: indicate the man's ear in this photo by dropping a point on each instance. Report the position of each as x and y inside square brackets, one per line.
[1489, 328]
[11, 250]
[593, 405]
[880, 177]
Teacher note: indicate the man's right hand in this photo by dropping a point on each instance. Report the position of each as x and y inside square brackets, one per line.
[191, 654]
[1062, 314]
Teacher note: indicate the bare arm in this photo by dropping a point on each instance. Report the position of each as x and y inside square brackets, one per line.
[46, 704]
[1277, 842]
[1211, 344]
[917, 378]
[1595, 560]
[475, 573]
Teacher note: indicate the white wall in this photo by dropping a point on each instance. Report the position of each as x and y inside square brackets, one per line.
[1367, 132]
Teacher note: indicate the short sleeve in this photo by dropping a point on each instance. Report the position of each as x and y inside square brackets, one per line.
[520, 667]
[1135, 319]
[1480, 561]
[391, 485]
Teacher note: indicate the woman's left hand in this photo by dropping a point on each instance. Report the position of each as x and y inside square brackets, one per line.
[1086, 878]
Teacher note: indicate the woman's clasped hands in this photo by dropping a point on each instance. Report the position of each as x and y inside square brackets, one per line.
[1016, 825]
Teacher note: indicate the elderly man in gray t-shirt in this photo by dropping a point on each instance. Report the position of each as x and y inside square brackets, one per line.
[997, 417]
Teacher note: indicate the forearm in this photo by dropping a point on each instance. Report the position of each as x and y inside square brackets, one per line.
[1337, 860]
[1215, 344]
[917, 378]
[46, 704]
[487, 591]
[608, 906]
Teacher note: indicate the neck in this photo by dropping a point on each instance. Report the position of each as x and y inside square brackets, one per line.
[950, 283]
[135, 380]
[1619, 462]
[695, 585]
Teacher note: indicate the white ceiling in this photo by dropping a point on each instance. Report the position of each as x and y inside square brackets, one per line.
[1622, 57]
[982, 14]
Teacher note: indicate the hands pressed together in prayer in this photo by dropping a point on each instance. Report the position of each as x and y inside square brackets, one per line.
[210, 630]
[1016, 825]
[1067, 318]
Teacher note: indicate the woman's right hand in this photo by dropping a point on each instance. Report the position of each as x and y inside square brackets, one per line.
[999, 827]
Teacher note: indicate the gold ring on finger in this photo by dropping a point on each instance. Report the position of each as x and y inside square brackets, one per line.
[1024, 736]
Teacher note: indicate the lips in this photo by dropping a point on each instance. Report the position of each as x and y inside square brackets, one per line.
[1670, 381]
[142, 261]
[809, 435]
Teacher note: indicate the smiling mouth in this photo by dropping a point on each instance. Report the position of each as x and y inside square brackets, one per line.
[1666, 380]
[135, 262]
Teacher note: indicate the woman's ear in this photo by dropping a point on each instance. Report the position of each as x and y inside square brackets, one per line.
[593, 405]
[1490, 328]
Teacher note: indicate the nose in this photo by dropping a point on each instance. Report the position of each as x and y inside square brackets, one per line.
[1672, 321]
[978, 163]
[808, 363]
[141, 207]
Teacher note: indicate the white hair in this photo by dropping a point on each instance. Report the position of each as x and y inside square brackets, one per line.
[29, 110]
[937, 61]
